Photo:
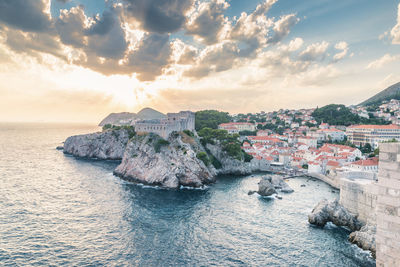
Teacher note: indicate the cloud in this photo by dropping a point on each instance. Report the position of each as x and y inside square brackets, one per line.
[151, 56]
[282, 27]
[158, 16]
[33, 43]
[395, 32]
[314, 52]
[70, 26]
[381, 62]
[207, 21]
[318, 76]
[29, 16]
[341, 46]
[216, 58]
[251, 30]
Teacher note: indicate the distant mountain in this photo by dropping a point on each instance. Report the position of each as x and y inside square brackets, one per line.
[122, 118]
[126, 118]
[149, 114]
[392, 92]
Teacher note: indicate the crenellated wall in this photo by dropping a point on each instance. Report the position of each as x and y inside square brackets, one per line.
[388, 206]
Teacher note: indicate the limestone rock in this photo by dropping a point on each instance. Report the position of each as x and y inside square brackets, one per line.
[333, 212]
[365, 238]
[108, 144]
[230, 166]
[280, 184]
[265, 187]
[169, 165]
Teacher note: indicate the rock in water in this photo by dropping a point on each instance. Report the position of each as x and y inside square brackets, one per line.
[265, 187]
[149, 159]
[280, 184]
[109, 144]
[365, 238]
[333, 212]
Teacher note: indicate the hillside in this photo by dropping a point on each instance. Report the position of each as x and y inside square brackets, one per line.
[392, 92]
[149, 114]
[126, 118]
[122, 118]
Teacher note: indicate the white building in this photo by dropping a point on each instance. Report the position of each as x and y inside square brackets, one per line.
[372, 134]
[235, 127]
[308, 140]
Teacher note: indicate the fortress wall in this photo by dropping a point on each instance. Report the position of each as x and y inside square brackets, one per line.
[388, 206]
[360, 198]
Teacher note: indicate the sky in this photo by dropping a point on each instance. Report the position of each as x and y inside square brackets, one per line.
[79, 60]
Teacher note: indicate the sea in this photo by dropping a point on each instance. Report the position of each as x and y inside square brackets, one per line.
[58, 210]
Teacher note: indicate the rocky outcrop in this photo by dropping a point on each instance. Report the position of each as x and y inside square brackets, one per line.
[151, 160]
[230, 166]
[109, 144]
[326, 211]
[280, 184]
[265, 187]
[270, 185]
[365, 238]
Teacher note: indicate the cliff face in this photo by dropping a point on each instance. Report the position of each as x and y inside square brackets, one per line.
[150, 160]
[229, 165]
[109, 144]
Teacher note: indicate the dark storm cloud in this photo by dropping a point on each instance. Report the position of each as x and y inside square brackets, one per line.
[160, 16]
[103, 25]
[33, 43]
[25, 15]
[151, 57]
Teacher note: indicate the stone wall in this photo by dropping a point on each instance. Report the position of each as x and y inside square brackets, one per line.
[175, 122]
[388, 206]
[332, 181]
[359, 196]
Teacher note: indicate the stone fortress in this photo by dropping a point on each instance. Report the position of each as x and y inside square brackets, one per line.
[378, 203]
[183, 120]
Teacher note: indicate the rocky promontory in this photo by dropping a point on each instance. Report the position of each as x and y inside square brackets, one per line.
[229, 165]
[270, 185]
[183, 159]
[171, 163]
[365, 238]
[332, 211]
[363, 235]
[109, 144]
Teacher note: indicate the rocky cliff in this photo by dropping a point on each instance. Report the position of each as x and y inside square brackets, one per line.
[108, 144]
[362, 235]
[152, 160]
[333, 212]
[230, 166]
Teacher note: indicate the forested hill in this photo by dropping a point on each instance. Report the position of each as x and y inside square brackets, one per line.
[392, 92]
[341, 115]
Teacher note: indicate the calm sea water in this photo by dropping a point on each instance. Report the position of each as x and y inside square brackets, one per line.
[59, 210]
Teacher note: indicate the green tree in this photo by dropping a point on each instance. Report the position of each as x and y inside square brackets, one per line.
[211, 119]
[203, 157]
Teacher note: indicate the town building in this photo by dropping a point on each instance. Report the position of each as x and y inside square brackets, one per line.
[184, 120]
[372, 134]
[236, 127]
[308, 140]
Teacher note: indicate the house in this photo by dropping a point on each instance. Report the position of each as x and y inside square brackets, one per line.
[366, 165]
[308, 140]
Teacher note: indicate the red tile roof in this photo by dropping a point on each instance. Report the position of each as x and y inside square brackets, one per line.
[382, 127]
